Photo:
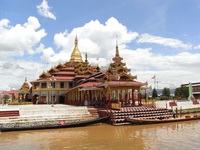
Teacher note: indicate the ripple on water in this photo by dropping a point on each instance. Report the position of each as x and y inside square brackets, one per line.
[172, 136]
[179, 136]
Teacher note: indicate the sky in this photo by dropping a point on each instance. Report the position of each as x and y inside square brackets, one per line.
[155, 37]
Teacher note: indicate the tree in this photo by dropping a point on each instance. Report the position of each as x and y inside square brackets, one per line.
[154, 93]
[182, 92]
[178, 92]
[166, 92]
[6, 97]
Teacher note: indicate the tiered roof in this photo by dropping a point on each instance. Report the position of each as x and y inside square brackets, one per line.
[118, 70]
[74, 68]
[24, 88]
[85, 75]
[116, 75]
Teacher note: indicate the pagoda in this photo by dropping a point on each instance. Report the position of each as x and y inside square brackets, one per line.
[76, 82]
[52, 85]
[115, 84]
[24, 92]
[118, 70]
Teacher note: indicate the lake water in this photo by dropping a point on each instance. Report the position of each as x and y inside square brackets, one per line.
[170, 136]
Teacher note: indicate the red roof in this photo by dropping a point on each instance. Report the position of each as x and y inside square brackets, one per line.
[67, 78]
[63, 78]
[68, 68]
[9, 92]
[65, 72]
[90, 84]
[125, 83]
[15, 92]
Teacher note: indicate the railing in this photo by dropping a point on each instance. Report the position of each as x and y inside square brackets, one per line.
[49, 89]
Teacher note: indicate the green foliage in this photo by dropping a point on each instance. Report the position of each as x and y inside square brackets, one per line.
[154, 93]
[6, 97]
[166, 92]
[182, 92]
[20, 103]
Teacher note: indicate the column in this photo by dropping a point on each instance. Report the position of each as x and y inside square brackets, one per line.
[140, 98]
[58, 98]
[133, 98]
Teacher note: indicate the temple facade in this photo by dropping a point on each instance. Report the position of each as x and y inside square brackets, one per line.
[76, 82]
[52, 86]
[115, 84]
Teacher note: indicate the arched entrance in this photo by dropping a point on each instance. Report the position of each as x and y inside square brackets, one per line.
[35, 98]
[62, 99]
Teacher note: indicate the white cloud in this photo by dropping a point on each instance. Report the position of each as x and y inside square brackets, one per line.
[170, 70]
[44, 10]
[49, 56]
[4, 23]
[99, 41]
[19, 38]
[32, 23]
[13, 72]
[197, 47]
[173, 43]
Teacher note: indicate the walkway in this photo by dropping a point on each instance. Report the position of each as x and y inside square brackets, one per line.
[184, 104]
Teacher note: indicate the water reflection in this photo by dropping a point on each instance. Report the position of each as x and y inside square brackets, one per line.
[177, 136]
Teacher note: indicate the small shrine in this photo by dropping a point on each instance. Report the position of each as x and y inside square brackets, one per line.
[24, 91]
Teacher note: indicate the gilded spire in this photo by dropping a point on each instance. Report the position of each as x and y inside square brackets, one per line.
[117, 58]
[25, 86]
[76, 55]
[117, 50]
[86, 57]
[76, 41]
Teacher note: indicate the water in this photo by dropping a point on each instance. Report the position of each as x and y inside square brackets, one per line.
[171, 136]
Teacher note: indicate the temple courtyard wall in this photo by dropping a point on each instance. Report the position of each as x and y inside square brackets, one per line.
[184, 104]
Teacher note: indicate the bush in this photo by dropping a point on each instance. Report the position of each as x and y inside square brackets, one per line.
[164, 98]
[20, 103]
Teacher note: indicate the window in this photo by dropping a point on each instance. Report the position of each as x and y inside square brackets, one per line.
[62, 85]
[53, 84]
[70, 84]
[44, 85]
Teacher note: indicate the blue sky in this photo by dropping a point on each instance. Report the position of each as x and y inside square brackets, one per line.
[154, 37]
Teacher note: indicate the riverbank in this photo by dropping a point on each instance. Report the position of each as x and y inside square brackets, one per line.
[179, 104]
[37, 116]
[58, 115]
[182, 107]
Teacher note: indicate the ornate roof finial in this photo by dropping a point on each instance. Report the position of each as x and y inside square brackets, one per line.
[86, 57]
[76, 40]
[117, 50]
[116, 39]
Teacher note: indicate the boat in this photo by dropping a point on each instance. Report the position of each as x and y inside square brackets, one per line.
[155, 121]
[60, 124]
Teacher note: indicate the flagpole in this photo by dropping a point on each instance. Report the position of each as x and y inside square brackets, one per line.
[154, 77]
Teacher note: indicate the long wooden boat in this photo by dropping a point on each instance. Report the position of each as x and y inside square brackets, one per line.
[154, 121]
[60, 124]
